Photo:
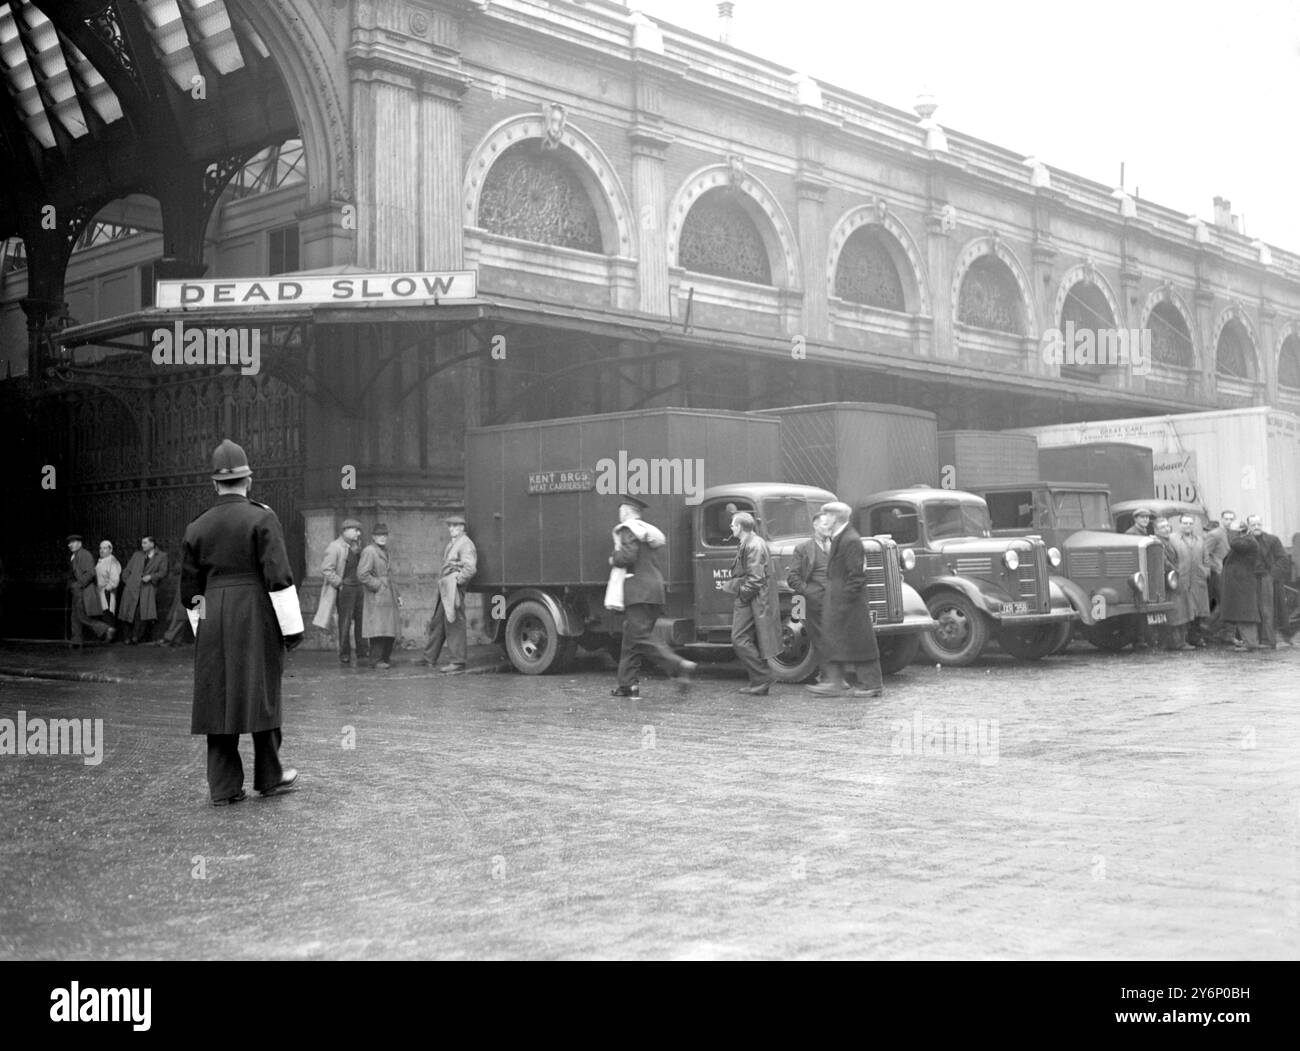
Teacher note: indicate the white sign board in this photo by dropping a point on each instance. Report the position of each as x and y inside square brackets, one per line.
[1175, 477]
[319, 290]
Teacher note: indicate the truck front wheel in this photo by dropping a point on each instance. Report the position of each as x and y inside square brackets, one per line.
[533, 641]
[1031, 644]
[962, 633]
[798, 660]
[1113, 633]
[898, 651]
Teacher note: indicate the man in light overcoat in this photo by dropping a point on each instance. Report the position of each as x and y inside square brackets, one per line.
[459, 564]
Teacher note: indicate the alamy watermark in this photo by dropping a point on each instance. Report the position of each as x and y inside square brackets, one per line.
[83, 737]
[636, 476]
[179, 345]
[1128, 347]
[974, 738]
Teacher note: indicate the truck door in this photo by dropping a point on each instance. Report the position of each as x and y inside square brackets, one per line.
[715, 549]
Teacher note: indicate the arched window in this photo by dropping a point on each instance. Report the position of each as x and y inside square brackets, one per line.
[1288, 363]
[1086, 306]
[990, 297]
[865, 272]
[533, 194]
[1234, 354]
[719, 237]
[1171, 340]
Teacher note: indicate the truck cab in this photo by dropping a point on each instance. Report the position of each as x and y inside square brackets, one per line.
[976, 586]
[1116, 583]
[784, 514]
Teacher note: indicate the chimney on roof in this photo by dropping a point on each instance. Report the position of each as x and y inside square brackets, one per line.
[1222, 213]
[725, 9]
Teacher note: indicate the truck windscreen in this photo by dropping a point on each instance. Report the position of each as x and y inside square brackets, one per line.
[1080, 510]
[945, 519]
[785, 517]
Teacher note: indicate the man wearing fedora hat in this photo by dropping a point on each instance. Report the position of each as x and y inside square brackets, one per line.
[238, 590]
[342, 589]
[83, 594]
[381, 599]
[459, 564]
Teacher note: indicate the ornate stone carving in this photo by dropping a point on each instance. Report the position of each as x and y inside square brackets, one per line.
[947, 219]
[866, 273]
[718, 237]
[554, 118]
[735, 170]
[990, 297]
[535, 196]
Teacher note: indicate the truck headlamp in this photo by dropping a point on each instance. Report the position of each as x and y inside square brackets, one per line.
[1171, 579]
[1054, 556]
[1011, 559]
[909, 558]
[1138, 582]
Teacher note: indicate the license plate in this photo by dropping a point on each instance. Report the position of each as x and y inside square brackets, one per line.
[1015, 607]
[1155, 618]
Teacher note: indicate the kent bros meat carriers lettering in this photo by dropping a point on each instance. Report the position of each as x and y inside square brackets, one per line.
[543, 498]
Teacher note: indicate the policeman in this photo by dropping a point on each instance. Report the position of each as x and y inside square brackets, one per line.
[238, 590]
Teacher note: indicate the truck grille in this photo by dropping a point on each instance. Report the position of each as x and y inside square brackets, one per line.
[1032, 577]
[1122, 563]
[884, 583]
[1156, 573]
[974, 567]
[1085, 563]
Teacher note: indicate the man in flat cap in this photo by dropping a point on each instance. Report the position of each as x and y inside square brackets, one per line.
[641, 599]
[238, 591]
[83, 594]
[459, 564]
[1141, 522]
[342, 590]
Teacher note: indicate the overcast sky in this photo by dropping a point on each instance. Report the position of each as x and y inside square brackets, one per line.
[1198, 99]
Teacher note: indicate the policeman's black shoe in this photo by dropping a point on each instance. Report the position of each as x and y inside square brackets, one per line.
[626, 691]
[238, 797]
[288, 781]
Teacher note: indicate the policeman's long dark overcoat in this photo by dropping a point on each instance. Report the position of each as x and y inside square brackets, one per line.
[847, 634]
[234, 555]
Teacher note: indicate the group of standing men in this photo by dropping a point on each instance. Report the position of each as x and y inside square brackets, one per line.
[101, 594]
[828, 573]
[359, 588]
[1230, 583]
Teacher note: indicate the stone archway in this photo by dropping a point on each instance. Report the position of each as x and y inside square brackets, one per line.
[761, 205]
[1236, 345]
[894, 237]
[1173, 330]
[992, 248]
[586, 160]
[1088, 275]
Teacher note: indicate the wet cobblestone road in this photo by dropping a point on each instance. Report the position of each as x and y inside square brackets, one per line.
[1091, 806]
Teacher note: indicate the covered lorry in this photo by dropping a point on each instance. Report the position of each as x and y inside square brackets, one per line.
[542, 500]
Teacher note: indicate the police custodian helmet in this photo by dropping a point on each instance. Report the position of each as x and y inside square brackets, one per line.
[229, 462]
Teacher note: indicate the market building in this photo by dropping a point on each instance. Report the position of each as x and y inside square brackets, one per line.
[578, 209]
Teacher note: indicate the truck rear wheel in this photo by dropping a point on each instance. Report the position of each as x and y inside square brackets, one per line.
[962, 634]
[898, 651]
[798, 660]
[533, 640]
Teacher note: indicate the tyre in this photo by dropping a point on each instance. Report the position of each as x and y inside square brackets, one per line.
[1031, 644]
[1064, 636]
[533, 641]
[798, 660]
[1111, 634]
[898, 651]
[963, 630]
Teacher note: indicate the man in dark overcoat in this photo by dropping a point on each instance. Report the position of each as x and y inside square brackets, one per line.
[139, 604]
[235, 564]
[1239, 598]
[807, 577]
[83, 594]
[1271, 583]
[848, 639]
[756, 615]
[636, 541]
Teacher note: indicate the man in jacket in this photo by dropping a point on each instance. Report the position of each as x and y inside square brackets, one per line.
[342, 589]
[83, 595]
[459, 564]
[1141, 522]
[108, 578]
[140, 580]
[239, 594]
[382, 602]
[756, 615]
[807, 577]
[1274, 571]
[848, 638]
[1216, 550]
[636, 541]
